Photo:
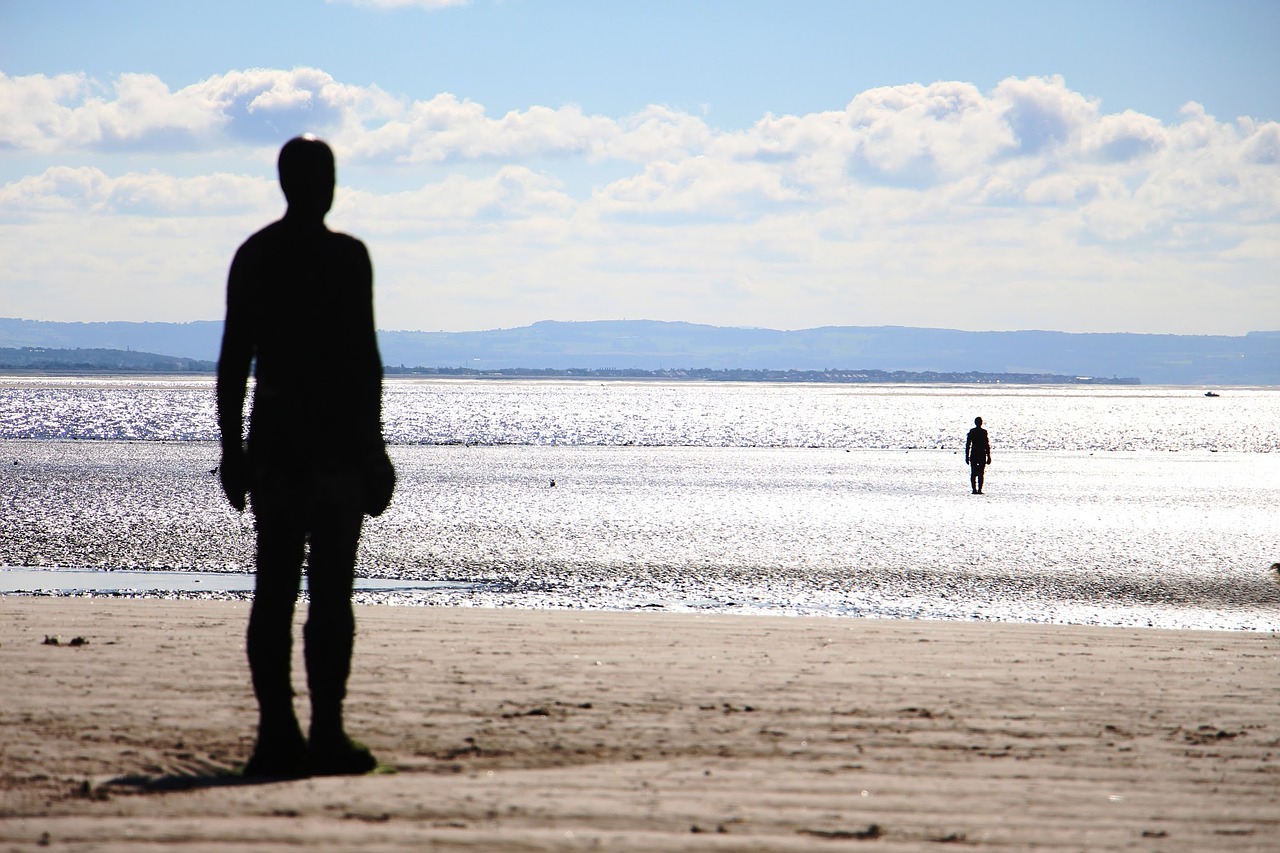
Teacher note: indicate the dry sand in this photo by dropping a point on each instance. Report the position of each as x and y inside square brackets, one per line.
[554, 730]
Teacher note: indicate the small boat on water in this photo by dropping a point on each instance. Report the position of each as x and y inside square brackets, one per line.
[1212, 394]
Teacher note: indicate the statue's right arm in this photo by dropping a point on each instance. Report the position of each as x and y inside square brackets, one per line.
[234, 360]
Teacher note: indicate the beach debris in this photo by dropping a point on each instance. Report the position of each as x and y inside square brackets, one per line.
[89, 791]
[545, 711]
[532, 712]
[870, 833]
[54, 641]
[1210, 734]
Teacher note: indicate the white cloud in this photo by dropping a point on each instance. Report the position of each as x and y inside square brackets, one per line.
[933, 132]
[140, 112]
[455, 204]
[920, 204]
[445, 128]
[655, 133]
[1042, 113]
[34, 114]
[88, 190]
[1122, 138]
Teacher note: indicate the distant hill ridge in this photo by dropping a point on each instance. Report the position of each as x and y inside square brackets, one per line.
[98, 361]
[1252, 359]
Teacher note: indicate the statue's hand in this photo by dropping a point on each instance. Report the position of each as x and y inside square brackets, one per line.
[379, 483]
[234, 474]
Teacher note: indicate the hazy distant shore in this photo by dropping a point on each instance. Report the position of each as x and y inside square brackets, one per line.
[649, 345]
[41, 361]
[905, 377]
[98, 362]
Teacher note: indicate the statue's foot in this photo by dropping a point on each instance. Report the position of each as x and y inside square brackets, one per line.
[281, 755]
[340, 756]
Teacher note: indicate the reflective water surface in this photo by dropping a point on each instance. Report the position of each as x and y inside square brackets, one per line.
[1104, 505]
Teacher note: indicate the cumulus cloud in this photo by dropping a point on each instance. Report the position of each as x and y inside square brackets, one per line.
[1263, 146]
[36, 112]
[961, 194]
[446, 128]
[1124, 137]
[89, 190]
[139, 111]
[456, 203]
[931, 132]
[1041, 112]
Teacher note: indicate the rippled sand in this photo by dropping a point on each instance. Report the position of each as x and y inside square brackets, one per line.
[535, 730]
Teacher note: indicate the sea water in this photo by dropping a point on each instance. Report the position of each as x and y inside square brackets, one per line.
[1118, 505]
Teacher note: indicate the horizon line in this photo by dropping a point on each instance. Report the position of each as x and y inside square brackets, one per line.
[693, 323]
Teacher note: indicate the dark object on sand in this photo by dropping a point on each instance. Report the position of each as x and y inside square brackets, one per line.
[54, 641]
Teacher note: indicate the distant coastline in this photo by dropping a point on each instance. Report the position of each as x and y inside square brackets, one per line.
[100, 362]
[97, 361]
[676, 350]
[848, 377]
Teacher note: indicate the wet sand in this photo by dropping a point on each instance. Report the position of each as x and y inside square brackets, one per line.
[519, 730]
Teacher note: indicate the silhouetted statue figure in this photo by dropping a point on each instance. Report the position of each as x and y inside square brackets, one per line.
[300, 310]
[977, 453]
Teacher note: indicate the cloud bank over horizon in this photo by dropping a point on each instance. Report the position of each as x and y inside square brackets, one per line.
[1023, 206]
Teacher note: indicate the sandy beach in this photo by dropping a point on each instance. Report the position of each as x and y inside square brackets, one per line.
[508, 729]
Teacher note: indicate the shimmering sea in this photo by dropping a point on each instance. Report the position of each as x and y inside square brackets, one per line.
[1109, 505]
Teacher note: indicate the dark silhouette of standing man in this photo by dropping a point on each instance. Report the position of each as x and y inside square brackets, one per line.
[977, 453]
[300, 310]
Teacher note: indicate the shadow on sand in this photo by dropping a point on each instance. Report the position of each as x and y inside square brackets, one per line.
[211, 776]
[142, 783]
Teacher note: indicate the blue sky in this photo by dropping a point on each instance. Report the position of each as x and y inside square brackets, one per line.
[1078, 166]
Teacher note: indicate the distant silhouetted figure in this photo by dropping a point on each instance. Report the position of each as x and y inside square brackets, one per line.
[300, 310]
[977, 453]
